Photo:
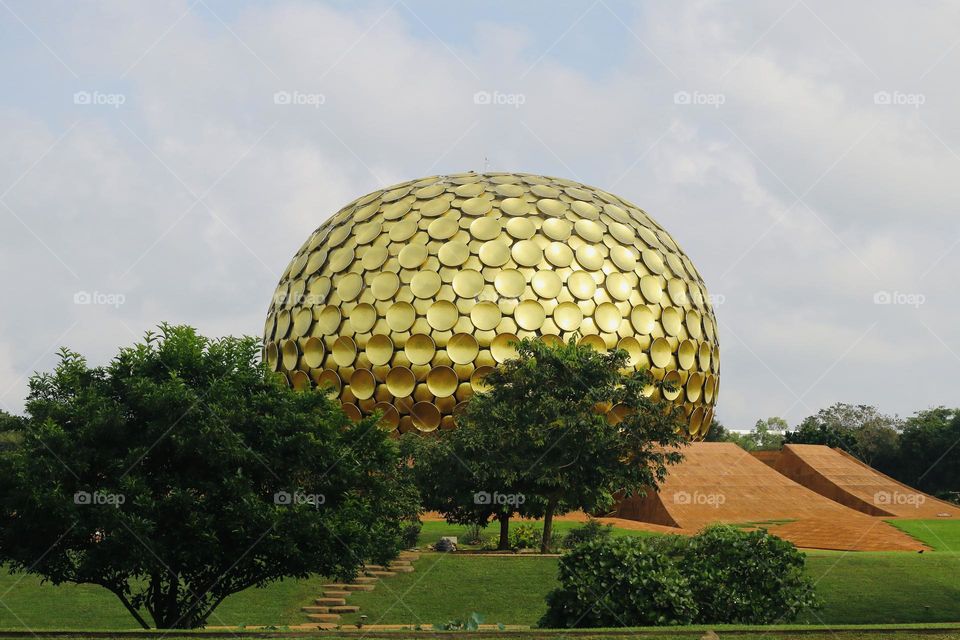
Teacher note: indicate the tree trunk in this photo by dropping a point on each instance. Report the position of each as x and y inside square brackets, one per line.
[504, 531]
[548, 526]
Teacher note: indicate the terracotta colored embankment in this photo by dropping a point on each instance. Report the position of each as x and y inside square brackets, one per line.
[720, 482]
[839, 476]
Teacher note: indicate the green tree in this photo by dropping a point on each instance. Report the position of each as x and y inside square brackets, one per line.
[929, 457]
[182, 472]
[861, 430]
[717, 432]
[569, 428]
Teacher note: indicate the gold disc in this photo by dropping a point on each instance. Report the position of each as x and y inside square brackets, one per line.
[515, 207]
[588, 230]
[594, 342]
[420, 348]
[476, 379]
[412, 256]
[329, 320]
[476, 206]
[633, 348]
[568, 316]
[547, 284]
[390, 419]
[673, 378]
[443, 228]
[530, 315]
[551, 207]
[313, 352]
[557, 229]
[302, 320]
[299, 381]
[442, 315]
[589, 257]
[401, 316]
[352, 411]
[403, 230]
[559, 255]
[329, 380]
[272, 355]
[618, 286]
[653, 261]
[671, 320]
[586, 210]
[608, 317]
[362, 384]
[660, 353]
[510, 283]
[374, 257]
[385, 285]
[426, 284]
[362, 318]
[453, 254]
[485, 315]
[290, 354]
[379, 349]
[442, 381]
[503, 347]
[687, 355]
[426, 416]
[704, 356]
[434, 208]
[468, 283]
[494, 253]
[521, 228]
[462, 348]
[582, 285]
[485, 228]
[624, 257]
[526, 253]
[694, 386]
[344, 351]
[401, 382]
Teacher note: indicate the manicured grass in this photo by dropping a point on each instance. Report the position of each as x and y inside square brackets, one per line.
[433, 530]
[507, 589]
[941, 535]
[25, 603]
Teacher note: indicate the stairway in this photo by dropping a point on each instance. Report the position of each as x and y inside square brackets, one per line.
[327, 609]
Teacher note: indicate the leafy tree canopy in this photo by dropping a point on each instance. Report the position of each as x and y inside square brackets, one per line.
[183, 472]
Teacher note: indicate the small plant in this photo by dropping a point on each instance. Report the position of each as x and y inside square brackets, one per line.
[525, 536]
[472, 623]
[589, 532]
[474, 534]
[410, 535]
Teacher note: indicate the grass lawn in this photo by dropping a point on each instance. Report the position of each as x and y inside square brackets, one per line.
[858, 588]
[27, 604]
[941, 535]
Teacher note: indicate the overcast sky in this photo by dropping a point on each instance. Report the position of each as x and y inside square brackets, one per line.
[805, 155]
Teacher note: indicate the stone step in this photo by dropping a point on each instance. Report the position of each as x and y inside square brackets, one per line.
[335, 593]
[323, 617]
[345, 608]
[364, 580]
[408, 555]
[327, 626]
[323, 609]
[340, 587]
[380, 574]
[328, 601]
[401, 569]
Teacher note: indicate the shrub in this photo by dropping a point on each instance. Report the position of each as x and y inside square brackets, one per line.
[745, 577]
[410, 535]
[525, 536]
[618, 582]
[721, 575]
[589, 532]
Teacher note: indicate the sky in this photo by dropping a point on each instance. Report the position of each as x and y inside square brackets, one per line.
[162, 161]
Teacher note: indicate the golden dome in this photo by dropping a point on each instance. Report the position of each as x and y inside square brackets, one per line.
[403, 300]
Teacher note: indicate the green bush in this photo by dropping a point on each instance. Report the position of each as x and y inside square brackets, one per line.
[745, 577]
[616, 583]
[721, 575]
[410, 534]
[589, 532]
[525, 536]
